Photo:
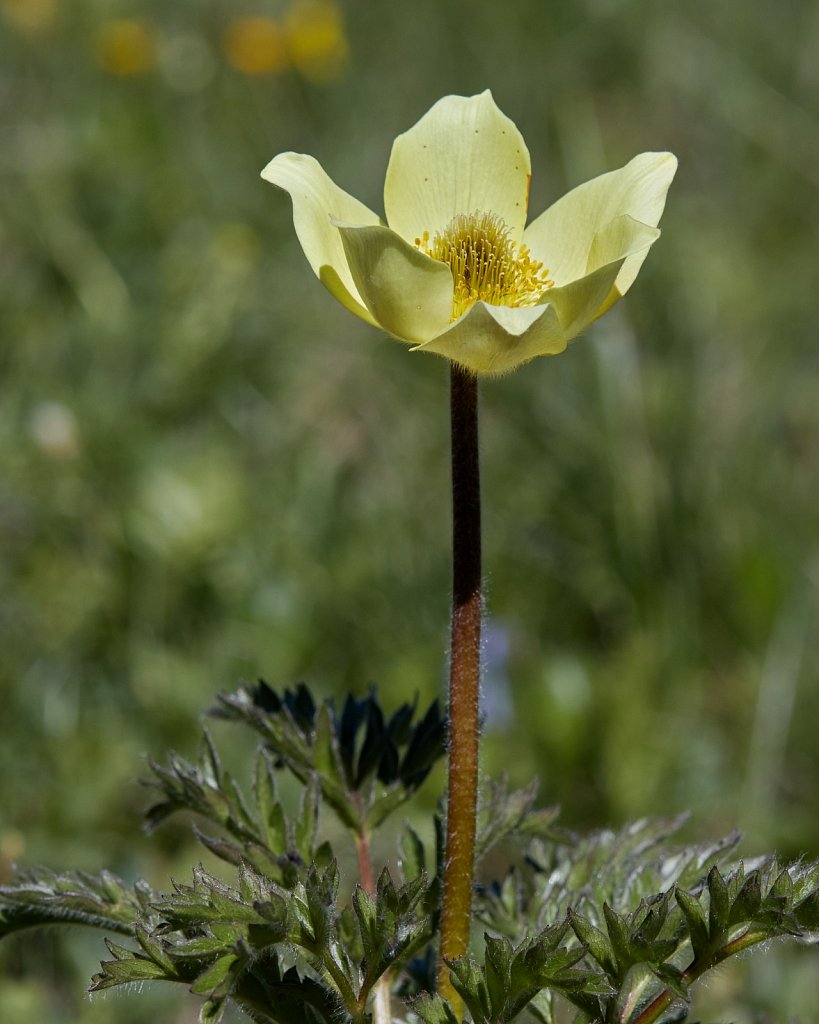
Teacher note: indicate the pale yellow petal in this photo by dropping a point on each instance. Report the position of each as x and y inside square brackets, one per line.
[464, 156]
[496, 339]
[406, 292]
[563, 236]
[628, 241]
[580, 301]
[317, 199]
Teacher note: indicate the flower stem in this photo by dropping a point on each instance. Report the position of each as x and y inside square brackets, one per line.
[464, 678]
[381, 1002]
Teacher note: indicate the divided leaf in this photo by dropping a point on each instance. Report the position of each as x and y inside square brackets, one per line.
[366, 765]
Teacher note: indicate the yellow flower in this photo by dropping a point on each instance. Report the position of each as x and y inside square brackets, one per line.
[126, 47]
[31, 15]
[256, 46]
[454, 270]
[318, 45]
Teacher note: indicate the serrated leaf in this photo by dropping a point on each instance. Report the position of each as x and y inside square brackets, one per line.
[720, 903]
[618, 936]
[498, 972]
[200, 947]
[366, 911]
[783, 887]
[433, 1009]
[304, 832]
[40, 897]
[211, 763]
[412, 860]
[275, 835]
[595, 941]
[695, 918]
[469, 982]
[210, 979]
[126, 971]
[807, 912]
[154, 949]
[323, 856]
[222, 848]
[747, 903]
[655, 919]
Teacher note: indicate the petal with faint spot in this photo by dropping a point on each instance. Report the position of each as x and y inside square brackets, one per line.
[464, 156]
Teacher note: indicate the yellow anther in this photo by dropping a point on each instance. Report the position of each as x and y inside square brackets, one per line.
[485, 263]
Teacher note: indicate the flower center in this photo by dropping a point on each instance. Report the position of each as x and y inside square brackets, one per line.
[485, 263]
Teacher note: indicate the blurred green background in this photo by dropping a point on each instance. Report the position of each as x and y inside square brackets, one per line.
[211, 471]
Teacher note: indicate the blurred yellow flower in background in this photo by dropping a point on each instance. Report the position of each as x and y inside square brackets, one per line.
[454, 270]
[317, 40]
[256, 46]
[126, 47]
[30, 15]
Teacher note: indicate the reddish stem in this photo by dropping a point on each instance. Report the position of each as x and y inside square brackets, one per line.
[464, 678]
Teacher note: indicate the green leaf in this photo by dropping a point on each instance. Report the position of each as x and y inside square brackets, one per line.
[210, 979]
[695, 918]
[212, 1011]
[154, 949]
[498, 972]
[541, 1007]
[618, 936]
[41, 897]
[639, 987]
[748, 901]
[324, 754]
[433, 1009]
[366, 911]
[304, 833]
[125, 968]
[807, 912]
[504, 814]
[720, 907]
[469, 982]
[595, 941]
[671, 977]
[412, 859]
[221, 848]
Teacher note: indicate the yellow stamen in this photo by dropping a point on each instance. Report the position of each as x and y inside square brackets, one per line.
[485, 263]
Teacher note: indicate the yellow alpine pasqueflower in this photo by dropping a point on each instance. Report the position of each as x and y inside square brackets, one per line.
[454, 270]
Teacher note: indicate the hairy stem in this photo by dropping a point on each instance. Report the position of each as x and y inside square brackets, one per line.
[694, 970]
[464, 678]
[381, 1004]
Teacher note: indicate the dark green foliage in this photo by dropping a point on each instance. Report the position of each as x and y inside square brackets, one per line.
[357, 752]
[44, 897]
[610, 927]
[260, 835]
[512, 976]
[505, 814]
[648, 918]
